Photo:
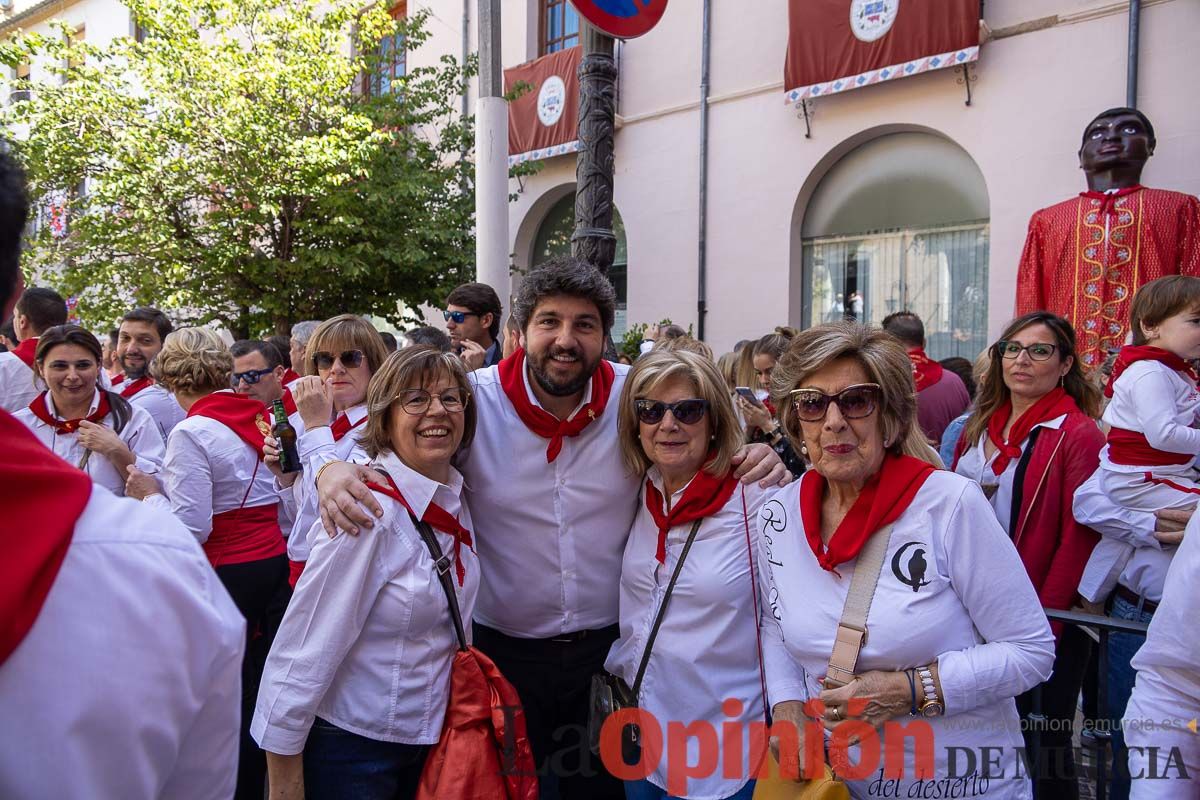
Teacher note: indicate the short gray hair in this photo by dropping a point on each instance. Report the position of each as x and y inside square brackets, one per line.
[303, 331]
[569, 277]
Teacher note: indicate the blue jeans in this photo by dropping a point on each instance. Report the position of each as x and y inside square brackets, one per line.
[645, 790]
[1121, 649]
[340, 765]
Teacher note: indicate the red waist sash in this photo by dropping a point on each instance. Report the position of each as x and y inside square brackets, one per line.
[1131, 448]
[245, 534]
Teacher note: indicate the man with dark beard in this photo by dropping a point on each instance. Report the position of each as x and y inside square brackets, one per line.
[139, 339]
[552, 503]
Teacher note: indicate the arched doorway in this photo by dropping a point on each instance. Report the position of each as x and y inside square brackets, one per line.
[554, 239]
[901, 222]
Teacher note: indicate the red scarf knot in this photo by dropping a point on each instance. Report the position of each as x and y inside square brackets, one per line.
[437, 518]
[341, 426]
[26, 349]
[704, 496]
[38, 407]
[1054, 404]
[926, 371]
[136, 386]
[1131, 354]
[542, 422]
[885, 496]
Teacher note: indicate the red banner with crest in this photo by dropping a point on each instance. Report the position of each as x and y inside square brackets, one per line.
[544, 121]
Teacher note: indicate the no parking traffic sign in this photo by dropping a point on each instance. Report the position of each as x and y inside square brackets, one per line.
[624, 19]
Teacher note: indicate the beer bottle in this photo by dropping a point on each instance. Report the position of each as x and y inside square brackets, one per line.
[285, 435]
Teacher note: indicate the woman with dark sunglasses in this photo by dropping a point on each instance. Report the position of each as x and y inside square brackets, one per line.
[1032, 441]
[678, 429]
[892, 591]
[331, 409]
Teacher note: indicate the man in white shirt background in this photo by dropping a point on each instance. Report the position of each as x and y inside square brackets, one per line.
[36, 310]
[139, 338]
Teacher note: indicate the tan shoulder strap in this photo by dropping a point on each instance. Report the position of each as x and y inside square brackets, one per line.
[852, 629]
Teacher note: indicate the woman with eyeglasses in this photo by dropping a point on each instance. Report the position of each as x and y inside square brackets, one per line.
[1031, 442]
[331, 409]
[96, 430]
[893, 594]
[356, 687]
[214, 482]
[677, 429]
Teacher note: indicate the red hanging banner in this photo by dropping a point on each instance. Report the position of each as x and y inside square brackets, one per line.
[544, 121]
[838, 45]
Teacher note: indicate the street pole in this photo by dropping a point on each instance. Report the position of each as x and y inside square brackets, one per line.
[593, 239]
[491, 159]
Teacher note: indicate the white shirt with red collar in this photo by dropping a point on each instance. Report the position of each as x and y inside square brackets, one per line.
[19, 384]
[140, 435]
[367, 640]
[161, 404]
[552, 534]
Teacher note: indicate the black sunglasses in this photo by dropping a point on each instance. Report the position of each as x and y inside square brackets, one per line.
[459, 317]
[853, 402]
[688, 412]
[349, 358]
[250, 376]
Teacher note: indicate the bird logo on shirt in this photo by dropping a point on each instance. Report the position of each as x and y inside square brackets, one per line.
[914, 575]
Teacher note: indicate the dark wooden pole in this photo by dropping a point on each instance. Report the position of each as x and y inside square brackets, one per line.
[593, 239]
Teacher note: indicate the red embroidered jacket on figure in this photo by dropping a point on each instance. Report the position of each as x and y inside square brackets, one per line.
[1085, 257]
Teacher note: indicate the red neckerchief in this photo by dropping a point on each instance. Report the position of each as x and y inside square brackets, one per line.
[1131, 354]
[136, 386]
[289, 375]
[38, 407]
[541, 421]
[241, 413]
[926, 371]
[1108, 199]
[769, 406]
[25, 350]
[117, 381]
[438, 518]
[704, 496]
[341, 426]
[45, 496]
[289, 402]
[883, 499]
[1056, 403]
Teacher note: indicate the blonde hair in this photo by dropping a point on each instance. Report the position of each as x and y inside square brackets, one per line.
[687, 343]
[650, 371]
[410, 368]
[727, 366]
[884, 360]
[744, 374]
[345, 332]
[193, 361]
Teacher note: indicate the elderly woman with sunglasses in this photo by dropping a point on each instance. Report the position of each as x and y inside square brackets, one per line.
[677, 428]
[942, 622]
[1031, 442]
[341, 356]
[356, 687]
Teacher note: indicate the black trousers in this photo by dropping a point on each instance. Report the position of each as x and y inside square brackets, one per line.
[260, 590]
[553, 680]
[1048, 743]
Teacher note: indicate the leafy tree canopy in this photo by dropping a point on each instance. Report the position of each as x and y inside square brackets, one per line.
[229, 166]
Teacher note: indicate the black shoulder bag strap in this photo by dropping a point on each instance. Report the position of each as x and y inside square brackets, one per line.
[442, 564]
[662, 610]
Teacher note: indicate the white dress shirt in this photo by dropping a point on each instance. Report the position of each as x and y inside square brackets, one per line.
[975, 465]
[162, 405]
[129, 684]
[367, 640]
[707, 648]
[206, 471]
[973, 611]
[552, 534]
[316, 447]
[140, 435]
[19, 384]
[1166, 696]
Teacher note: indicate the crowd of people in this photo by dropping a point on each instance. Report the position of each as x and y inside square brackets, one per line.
[334, 565]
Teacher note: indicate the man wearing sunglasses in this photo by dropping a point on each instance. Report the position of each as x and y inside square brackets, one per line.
[472, 317]
[257, 370]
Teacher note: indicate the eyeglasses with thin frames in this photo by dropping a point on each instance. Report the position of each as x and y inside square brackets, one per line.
[1038, 351]
[417, 402]
[853, 402]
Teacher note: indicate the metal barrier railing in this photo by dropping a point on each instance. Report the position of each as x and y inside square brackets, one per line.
[1099, 628]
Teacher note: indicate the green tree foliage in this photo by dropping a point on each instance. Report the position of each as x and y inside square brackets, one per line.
[229, 167]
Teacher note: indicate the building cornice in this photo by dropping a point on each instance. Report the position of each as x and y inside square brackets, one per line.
[36, 13]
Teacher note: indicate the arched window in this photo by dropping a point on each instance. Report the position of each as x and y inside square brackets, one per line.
[554, 239]
[901, 223]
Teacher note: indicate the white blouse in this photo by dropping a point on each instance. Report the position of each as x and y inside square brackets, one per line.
[952, 590]
[707, 648]
[367, 640]
[140, 435]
